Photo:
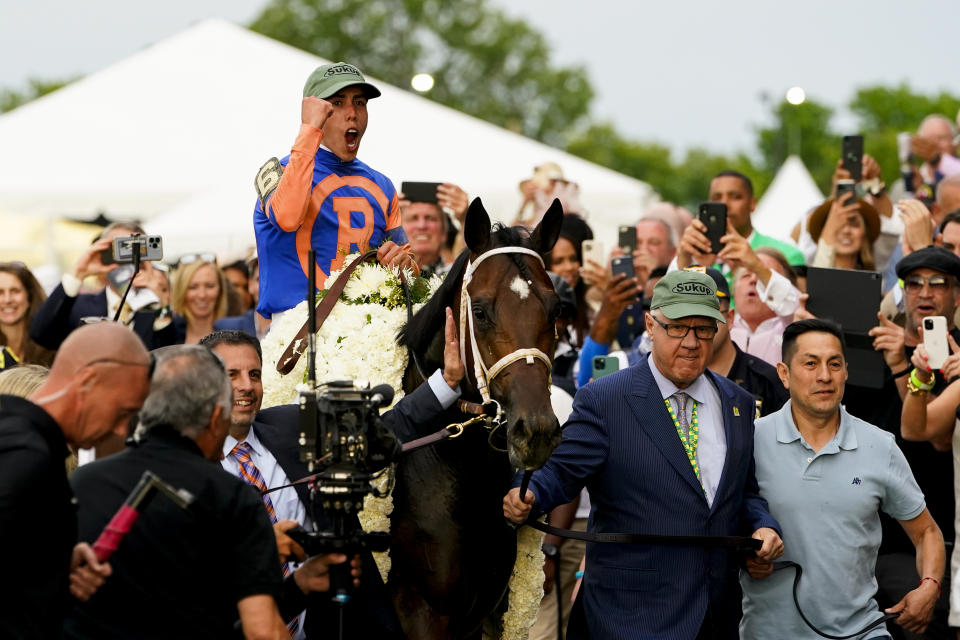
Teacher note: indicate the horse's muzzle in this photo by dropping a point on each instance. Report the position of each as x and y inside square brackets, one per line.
[531, 439]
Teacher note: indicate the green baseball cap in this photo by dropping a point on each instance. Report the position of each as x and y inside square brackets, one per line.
[681, 294]
[327, 79]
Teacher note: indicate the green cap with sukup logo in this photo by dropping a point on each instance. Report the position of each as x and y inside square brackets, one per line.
[327, 79]
[681, 294]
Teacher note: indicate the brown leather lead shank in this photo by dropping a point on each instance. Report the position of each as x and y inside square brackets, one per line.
[291, 355]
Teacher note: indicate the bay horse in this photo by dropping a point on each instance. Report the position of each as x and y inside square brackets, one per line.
[452, 551]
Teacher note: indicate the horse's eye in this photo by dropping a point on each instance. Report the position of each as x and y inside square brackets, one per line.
[479, 314]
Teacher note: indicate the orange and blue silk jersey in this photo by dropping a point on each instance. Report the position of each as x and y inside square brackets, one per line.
[335, 207]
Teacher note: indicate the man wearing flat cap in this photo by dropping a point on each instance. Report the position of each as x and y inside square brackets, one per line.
[664, 447]
[930, 288]
[321, 196]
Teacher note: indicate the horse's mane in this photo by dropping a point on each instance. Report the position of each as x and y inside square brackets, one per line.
[423, 334]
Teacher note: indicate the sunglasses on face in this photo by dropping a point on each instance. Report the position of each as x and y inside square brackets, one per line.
[914, 284]
[190, 258]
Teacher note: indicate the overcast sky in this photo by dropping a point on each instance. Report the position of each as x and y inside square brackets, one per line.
[685, 74]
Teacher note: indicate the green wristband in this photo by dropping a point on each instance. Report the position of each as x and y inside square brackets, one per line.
[923, 386]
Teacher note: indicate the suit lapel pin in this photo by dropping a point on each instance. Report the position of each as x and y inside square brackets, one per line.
[736, 411]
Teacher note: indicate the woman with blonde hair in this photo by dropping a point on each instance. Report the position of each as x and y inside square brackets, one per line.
[199, 297]
[20, 297]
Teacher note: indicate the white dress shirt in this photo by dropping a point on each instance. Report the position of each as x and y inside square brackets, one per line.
[286, 502]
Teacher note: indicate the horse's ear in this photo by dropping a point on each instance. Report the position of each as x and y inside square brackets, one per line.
[546, 233]
[476, 227]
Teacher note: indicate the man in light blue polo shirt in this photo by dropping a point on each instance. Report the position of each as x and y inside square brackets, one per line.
[826, 476]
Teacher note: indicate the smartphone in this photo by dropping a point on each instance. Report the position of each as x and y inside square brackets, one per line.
[122, 249]
[714, 216]
[853, 156]
[627, 239]
[935, 340]
[593, 250]
[605, 365]
[904, 155]
[623, 264]
[844, 187]
[420, 191]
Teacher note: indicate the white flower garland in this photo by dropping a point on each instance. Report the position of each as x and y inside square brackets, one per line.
[358, 342]
[526, 585]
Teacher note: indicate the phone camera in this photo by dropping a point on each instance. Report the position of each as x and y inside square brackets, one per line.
[928, 324]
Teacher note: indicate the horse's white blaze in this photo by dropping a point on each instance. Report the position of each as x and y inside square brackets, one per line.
[520, 287]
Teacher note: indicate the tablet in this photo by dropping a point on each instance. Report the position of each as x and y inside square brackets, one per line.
[851, 299]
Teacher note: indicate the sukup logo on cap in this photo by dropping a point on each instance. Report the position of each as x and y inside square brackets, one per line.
[680, 294]
[341, 69]
[696, 288]
[326, 80]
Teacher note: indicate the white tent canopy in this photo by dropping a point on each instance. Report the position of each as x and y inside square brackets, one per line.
[787, 201]
[174, 135]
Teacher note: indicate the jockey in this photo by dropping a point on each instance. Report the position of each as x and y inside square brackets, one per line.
[321, 196]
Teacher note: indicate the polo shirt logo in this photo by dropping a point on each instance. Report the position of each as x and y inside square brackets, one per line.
[855, 480]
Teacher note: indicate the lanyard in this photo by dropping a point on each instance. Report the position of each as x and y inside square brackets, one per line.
[691, 438]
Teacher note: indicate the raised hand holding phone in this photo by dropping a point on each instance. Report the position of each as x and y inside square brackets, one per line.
[713, 215]
[935, 340]
[695, 247]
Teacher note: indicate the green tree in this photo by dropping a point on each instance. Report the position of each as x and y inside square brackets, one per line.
[684, 183]
[10, 99]
[484, 63]
[692, 175]
[603, 144]
[803, 130]
[883, 112]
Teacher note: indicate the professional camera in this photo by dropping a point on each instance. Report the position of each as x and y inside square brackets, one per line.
[346, 445]
[128, 248]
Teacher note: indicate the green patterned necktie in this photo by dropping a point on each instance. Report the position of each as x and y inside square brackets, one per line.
[687, 428]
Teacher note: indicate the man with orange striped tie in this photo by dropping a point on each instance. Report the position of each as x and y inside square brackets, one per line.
[244, 455]
[321, 196]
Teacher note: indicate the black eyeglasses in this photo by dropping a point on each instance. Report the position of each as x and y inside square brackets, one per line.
[190, 258]
[914, 284]
[149, 365]
[702, 331]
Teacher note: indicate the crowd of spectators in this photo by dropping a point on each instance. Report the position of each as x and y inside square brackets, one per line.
[760, 283]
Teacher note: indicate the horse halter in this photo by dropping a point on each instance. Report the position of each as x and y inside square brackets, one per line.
[481, 372]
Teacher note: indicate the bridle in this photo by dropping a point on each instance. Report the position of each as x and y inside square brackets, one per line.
[484, 375]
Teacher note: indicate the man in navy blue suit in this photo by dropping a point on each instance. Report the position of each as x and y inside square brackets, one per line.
[664, 447]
